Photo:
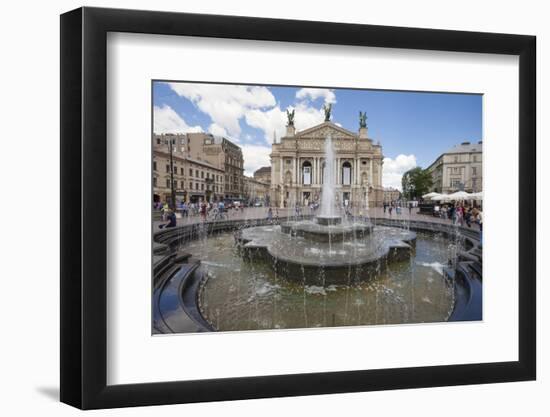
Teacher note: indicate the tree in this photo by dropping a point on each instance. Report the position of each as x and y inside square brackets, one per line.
[416, 182]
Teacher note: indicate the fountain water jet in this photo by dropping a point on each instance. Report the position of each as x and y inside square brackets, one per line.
[327, 191]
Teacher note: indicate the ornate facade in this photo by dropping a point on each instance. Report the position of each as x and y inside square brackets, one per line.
[297, 163]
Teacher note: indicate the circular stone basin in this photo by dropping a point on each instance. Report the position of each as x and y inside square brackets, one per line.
[328, 220]
[319, 262]
[326, 233]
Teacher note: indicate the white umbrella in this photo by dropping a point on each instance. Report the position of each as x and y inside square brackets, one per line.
[441, 197]
[477, 196]
[460, 195]
[430, 195]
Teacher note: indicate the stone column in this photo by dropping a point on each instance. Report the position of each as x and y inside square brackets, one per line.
[314, 173]
[371, 178]
[318, 170]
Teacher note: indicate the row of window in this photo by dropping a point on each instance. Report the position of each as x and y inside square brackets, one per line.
[288, 161]
[475, 158]
[159, 141]
[197, 172]
[196, 186]
[232, 161]
[307, 173]
[457, 170]
[457, 183]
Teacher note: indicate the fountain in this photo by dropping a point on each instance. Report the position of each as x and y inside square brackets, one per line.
[329, 248]
[332, 269]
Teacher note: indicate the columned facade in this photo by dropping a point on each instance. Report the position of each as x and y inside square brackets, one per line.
[298, 161]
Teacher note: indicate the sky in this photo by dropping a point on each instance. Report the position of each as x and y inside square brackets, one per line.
[414, 128]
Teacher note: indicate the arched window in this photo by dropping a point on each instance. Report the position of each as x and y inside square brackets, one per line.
[306, 173]
[346, 173]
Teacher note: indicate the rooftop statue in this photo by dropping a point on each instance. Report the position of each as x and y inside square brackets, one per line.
[362, 119]
[328, 110]
[290, 117]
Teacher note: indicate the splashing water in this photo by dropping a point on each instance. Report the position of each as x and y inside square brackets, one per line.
[327, 193]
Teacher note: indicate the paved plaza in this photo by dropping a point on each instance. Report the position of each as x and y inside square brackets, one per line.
[251, 213]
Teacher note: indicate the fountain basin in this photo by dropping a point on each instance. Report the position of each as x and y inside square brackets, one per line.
[326, 233]
[328, 220]
[323, 263]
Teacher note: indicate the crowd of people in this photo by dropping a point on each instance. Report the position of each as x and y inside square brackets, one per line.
[206, 210]
[460, 214]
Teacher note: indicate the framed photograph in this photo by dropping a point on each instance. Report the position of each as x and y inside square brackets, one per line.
[257, 208]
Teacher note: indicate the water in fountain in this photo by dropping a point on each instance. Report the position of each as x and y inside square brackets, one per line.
[327, 192]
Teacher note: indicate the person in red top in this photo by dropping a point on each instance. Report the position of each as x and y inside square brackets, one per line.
[203, 211]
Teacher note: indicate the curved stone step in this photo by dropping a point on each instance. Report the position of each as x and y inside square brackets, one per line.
[468, 295]
[175, 307]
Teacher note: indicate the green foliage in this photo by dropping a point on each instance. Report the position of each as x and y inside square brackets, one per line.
[416, 182]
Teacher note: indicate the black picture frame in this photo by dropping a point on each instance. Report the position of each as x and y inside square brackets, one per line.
[84, 207]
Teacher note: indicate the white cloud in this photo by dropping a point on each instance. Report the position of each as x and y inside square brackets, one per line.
[166, 120]
[315, 93]
[393, 170]
[307, 116]
[274, 120]
[225, 104]
[269, 121]
[255, 156]
[217, 130]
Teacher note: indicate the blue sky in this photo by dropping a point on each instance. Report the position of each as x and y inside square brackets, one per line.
[413, 128]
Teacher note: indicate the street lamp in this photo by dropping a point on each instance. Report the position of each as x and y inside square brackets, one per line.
[172, 185]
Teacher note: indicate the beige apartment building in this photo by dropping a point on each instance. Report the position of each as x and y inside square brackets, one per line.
[458, 169]
[195, 180]
[298, 159]
[263, 174]
[224, 155]
[256, 191]
[391, 194]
